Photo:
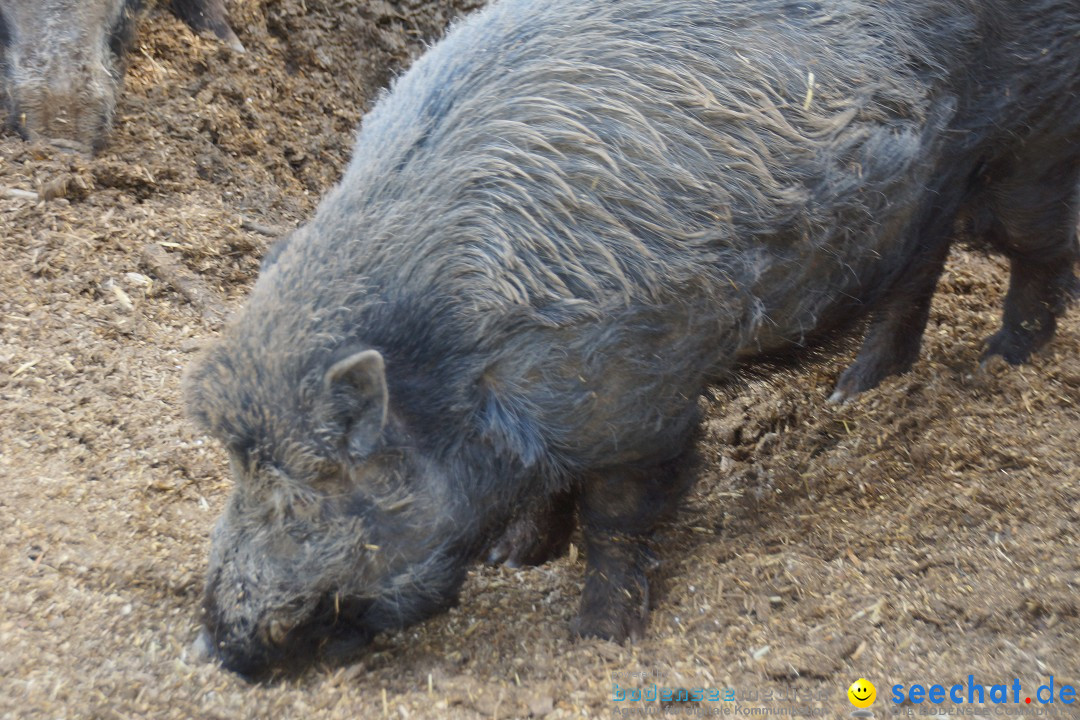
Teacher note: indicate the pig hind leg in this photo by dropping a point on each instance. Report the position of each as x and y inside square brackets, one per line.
[539, 533]
[619, 509]
[894, 335]
[902, 307]
[1030, 214]
[1031, 217]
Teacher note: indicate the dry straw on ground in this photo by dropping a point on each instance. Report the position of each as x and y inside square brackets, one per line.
[925, 532]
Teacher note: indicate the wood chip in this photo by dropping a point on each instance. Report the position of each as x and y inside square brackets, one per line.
[16, 194]
[186, 283]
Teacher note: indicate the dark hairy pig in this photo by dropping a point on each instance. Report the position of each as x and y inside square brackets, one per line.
[557, 228]
[62, 62]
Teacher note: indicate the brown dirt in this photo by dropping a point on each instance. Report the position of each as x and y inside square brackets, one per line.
[925, 532]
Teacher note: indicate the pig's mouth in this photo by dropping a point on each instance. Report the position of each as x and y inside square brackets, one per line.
[331, 629]
[333, 634]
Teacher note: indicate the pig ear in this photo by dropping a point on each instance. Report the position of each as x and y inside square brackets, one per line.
[357, 387]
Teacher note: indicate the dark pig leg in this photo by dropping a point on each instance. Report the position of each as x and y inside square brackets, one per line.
[1039, 292]
[1030, 215]
[619, 509]
[1034, 223]
[894, 336]
[208, 15]
[541, 532]
[898, 320]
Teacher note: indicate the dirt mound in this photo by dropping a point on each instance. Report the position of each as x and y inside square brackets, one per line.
[921, 534]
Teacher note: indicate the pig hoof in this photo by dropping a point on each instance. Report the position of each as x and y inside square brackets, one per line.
[615, 621]
[1013, 347]
[510, 550]
[229, 38]
[847, 387]
[993, 364]
[526, 543]
[539, 533]
[208, 15]
[613, 610]
[521, 542]
[201, 649]
[839, 397]
[856, 379]
[866, 373]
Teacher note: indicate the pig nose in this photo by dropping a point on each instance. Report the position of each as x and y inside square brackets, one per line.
[253, 660]
[66, 92]
[69, 118]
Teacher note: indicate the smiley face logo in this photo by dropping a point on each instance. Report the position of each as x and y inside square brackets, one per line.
[862, 693]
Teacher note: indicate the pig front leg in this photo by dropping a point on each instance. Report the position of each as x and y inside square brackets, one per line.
[619, 510]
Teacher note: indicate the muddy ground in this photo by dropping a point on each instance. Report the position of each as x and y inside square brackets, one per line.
[926, 532]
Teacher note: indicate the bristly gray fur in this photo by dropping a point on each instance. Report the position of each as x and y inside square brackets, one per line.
[565, 220]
